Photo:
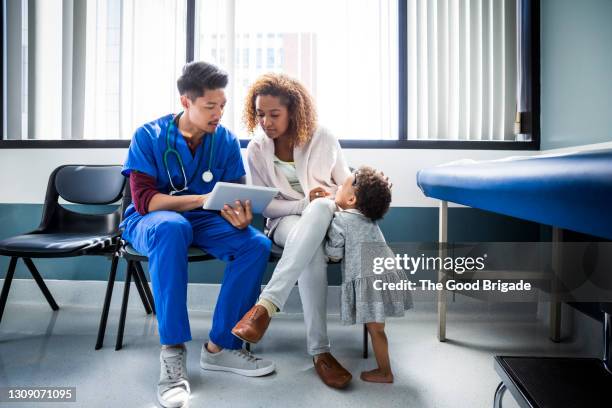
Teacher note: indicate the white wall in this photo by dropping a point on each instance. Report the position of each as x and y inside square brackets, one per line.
[24, 172]
[576, 72]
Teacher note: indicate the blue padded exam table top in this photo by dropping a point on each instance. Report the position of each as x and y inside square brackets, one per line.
[571, 191]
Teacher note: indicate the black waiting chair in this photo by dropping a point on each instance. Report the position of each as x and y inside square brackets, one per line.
[65, 233]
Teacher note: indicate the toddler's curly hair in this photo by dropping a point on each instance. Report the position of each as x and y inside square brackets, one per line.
[293, 95]
[373, 193]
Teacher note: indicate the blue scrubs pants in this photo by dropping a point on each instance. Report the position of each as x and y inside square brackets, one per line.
[165, 236]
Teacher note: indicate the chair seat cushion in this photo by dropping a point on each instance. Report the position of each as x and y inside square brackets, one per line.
[54, 244]
[276, 252]
[193, 254]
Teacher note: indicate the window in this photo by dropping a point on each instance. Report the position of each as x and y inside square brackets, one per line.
[259, 58]
[270, 59]
[346, 56]
[245, 59]
[397, 73]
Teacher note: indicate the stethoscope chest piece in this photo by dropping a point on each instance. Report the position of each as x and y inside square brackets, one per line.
[207, 176]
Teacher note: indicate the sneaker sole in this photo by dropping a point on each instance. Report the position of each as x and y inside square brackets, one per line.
[247, 373]
[167, 404]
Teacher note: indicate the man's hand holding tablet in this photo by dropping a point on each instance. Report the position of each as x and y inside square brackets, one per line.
[239, 216]
[238, 202]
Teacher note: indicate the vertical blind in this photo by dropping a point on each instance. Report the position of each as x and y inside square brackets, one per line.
[461, 69]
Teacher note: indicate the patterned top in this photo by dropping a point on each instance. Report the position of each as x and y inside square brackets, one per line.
[357, 240]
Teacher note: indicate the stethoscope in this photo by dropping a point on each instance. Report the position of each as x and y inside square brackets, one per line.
[207, 176]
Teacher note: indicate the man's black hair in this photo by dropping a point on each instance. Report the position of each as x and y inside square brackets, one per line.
[199, 76]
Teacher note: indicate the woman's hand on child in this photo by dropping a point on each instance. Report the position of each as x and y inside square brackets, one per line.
[317, 192]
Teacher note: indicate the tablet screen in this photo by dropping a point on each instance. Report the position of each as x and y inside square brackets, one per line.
[227, 193]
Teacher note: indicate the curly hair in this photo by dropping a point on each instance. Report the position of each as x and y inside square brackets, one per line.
[373, 193]
[293, 95]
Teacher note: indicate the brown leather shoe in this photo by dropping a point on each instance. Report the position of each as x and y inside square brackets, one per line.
[253, 325]
[331, 372]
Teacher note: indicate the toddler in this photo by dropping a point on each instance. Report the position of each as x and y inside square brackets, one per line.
[353, 236]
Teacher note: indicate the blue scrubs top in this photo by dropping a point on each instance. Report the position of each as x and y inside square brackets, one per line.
[146, 155]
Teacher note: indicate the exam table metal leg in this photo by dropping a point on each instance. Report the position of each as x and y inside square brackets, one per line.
[365, 341]
[555, 305]
[442, 239]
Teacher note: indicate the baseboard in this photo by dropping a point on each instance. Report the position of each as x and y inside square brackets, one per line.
[200, 296]
[203, 296]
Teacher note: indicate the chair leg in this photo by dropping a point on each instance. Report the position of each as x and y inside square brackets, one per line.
[107, 300]
[138, 282]
[41, 283]
[124, 303]
[145, 285]
[7, 284]
[365, 341]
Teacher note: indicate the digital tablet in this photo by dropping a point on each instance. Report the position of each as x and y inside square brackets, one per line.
[228, 193]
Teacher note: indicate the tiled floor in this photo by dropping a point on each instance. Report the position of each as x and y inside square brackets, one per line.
[41, 348]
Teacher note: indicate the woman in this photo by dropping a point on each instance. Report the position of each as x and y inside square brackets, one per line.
[305, 162]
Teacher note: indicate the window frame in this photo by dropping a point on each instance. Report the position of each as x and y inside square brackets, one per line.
[401, 143]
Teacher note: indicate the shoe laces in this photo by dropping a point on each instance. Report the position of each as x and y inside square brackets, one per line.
[242, 353]
[174, 367]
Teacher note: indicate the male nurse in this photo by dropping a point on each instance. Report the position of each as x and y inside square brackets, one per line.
[173, 163]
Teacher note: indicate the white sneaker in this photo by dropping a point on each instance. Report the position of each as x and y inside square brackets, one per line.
[173, 386]
[235, 361]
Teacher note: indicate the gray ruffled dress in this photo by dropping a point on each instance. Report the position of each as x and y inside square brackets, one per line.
[357, 240]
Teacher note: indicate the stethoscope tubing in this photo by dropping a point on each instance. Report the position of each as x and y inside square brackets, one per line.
[171, 150]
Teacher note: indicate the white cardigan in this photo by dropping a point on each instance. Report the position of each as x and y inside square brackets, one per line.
[319, 163]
